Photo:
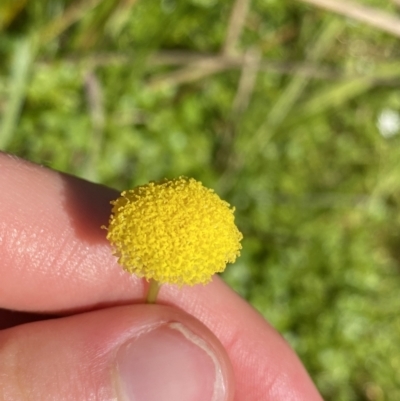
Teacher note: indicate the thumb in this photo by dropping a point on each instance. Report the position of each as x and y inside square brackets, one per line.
[131, 353]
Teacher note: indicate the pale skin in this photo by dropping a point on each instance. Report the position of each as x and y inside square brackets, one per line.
[55, 259]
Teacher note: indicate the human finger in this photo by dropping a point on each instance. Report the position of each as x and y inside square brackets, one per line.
[55, 258]
[142, 352]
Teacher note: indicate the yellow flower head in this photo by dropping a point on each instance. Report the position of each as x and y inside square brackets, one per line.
[173, 231]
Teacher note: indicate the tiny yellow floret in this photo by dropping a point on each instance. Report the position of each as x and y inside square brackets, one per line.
[173, 231]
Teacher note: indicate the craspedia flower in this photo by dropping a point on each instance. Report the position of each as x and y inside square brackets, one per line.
[173, 231]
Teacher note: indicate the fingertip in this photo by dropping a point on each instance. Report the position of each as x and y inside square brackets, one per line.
[134, 352]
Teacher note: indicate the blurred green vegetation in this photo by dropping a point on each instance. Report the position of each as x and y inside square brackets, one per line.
[291, 113]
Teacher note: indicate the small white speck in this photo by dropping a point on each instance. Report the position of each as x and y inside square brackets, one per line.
[388, 123]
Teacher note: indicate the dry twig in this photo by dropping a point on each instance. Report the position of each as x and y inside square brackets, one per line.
[189, 73]
[94, 98]
[235, 26]
[247, 81]
[371, 16]
[72, 14]
[207, 65]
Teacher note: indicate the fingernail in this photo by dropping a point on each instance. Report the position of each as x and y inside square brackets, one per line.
[168, 363]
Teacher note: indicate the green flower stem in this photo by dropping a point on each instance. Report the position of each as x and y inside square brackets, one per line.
[154, 287]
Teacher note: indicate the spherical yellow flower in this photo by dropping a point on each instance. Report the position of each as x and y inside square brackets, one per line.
[173, 231]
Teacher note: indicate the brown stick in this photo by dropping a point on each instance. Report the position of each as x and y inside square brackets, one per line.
[235, 26]
[247, 81]
[72, 14]
[94, 98]
[371, 16]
